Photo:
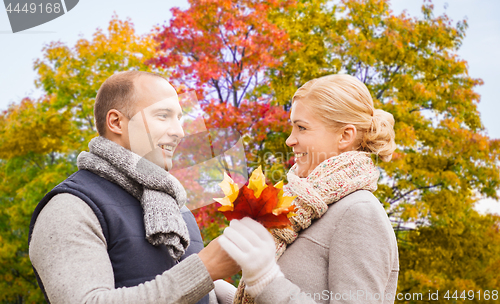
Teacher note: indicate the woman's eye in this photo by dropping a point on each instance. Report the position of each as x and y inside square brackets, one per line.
[301, 128]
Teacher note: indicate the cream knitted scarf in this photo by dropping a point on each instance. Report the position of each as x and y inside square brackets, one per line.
[161, 195]
[330, 181]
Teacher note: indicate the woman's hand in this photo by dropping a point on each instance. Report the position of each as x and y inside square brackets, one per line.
[253, 248]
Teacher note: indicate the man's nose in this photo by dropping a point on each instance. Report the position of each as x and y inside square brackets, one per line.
[176, 130]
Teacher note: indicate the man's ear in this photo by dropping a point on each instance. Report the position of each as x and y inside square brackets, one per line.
[347, 138]
[115, 123]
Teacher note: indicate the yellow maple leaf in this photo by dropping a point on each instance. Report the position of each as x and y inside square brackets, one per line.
[284, 202]
[231, 190]
[257, 182]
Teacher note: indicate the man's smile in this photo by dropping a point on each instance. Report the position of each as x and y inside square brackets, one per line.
[167, 147]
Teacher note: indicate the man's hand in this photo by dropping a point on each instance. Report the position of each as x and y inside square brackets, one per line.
[218, 263]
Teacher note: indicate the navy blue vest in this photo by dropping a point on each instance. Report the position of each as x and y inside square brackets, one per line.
[133, 258]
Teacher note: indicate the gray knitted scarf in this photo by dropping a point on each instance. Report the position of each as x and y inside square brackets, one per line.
[161, 195]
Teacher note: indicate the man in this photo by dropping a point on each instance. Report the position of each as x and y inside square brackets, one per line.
[117, 230]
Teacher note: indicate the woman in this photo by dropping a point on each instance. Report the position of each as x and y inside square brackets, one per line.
[342, 247]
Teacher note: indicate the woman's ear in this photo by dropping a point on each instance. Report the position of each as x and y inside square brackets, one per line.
[347, 138]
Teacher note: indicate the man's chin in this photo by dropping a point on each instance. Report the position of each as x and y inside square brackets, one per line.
[159, 158]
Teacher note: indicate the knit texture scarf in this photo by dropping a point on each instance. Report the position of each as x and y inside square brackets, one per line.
[330, 181]
[161, 195]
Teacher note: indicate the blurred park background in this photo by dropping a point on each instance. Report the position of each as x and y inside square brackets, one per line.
[245, 59]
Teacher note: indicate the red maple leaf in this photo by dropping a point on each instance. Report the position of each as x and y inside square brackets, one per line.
[259, 209]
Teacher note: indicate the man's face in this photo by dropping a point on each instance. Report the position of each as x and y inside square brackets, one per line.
[155, 130]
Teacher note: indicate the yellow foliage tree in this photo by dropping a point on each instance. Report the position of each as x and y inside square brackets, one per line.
[41, 138]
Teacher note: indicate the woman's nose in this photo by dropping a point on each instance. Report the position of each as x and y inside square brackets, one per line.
[291, 140]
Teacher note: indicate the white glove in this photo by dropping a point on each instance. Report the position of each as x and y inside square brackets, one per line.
[253, 248]
[224, 291]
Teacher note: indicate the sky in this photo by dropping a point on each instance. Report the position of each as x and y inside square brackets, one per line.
[18, 51]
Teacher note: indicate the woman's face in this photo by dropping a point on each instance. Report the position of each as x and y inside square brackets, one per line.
[312, 142]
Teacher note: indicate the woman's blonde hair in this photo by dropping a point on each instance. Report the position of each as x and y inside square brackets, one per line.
[339, 100]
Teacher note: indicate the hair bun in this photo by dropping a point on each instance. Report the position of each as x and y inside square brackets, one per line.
[379, 139]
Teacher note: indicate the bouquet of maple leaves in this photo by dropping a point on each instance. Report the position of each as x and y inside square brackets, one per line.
[262, 202]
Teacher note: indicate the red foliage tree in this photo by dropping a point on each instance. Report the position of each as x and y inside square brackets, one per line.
[222, 48]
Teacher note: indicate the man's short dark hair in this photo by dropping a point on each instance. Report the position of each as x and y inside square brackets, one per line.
[117, 92]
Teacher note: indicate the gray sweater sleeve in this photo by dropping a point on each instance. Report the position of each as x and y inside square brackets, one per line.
[361, 261]
[69, 251]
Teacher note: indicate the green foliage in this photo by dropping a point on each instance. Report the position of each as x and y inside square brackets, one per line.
[309, 25]
[462, 255]
[32, 163]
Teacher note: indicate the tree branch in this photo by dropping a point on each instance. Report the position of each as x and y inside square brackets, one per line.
[419, 109]
[217, 88]
[245, 89]
[411, 191]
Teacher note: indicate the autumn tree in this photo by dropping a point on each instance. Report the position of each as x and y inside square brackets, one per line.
[31, 148]
[222, 47]
[411, 67]
[462, 256]
[41, 138]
